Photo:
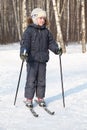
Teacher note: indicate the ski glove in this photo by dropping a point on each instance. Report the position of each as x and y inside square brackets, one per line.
[23, 54]
[59, 51]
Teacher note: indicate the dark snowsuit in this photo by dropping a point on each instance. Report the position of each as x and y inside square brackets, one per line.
[37, 41]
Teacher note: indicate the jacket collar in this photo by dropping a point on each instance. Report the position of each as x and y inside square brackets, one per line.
[37, 26]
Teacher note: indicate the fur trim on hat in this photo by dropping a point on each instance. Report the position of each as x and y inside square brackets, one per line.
[30, 21]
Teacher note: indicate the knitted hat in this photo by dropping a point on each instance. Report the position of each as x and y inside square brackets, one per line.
[36, 13]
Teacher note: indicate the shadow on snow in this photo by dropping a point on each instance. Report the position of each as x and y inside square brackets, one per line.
[69, 92]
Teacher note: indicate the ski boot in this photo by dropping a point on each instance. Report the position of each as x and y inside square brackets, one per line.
[41, 103]
[29, 103]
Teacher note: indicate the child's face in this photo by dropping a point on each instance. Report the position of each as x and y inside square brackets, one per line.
[41, 21]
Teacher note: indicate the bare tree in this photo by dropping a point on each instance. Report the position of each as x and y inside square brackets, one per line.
[24, 15]
[59, 32]
[67, 30]
[78, 21]
[83, 26]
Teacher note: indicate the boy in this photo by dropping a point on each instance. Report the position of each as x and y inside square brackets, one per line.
[37, 40]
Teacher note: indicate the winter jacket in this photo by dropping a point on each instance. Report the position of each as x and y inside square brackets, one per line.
[38, 40]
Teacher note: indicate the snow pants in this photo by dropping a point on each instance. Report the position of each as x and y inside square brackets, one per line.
[36, 80]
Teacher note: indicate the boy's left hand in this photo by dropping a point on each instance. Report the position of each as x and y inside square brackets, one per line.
[59, 51]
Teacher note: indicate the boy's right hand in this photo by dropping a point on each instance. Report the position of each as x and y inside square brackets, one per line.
[24, 54]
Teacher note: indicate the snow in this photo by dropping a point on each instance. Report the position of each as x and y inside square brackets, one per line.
[18, 117]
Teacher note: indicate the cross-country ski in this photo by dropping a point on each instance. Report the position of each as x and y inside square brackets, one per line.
[45, 108]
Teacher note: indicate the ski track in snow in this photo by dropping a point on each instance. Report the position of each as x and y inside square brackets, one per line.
[18, 117]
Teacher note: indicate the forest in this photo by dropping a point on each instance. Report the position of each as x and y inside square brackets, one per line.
[67, 20]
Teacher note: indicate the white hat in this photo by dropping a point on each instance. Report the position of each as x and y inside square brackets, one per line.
[36, 13]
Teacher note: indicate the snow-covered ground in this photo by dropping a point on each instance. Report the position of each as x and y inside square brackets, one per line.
[72, 117]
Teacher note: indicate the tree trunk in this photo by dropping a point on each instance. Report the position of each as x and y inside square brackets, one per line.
[78, 24]
[59, 32]
[83, 26]
[16, 18]
[24, 16]
[67, 34]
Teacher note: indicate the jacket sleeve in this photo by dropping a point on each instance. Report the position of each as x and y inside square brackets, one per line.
[25, 42]
[53, 46]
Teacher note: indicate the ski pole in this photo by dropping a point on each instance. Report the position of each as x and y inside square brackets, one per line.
[18, 82]
[62, 80]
